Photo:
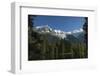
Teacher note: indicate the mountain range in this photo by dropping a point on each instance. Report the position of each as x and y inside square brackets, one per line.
[55, 35]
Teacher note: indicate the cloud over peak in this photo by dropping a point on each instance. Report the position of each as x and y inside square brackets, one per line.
[76, 31]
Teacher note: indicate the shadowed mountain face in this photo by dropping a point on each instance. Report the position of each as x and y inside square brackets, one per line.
[72, 39]
[81, 37]
[78, 37]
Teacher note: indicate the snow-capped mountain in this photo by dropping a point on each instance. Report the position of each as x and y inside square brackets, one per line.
[44, 29]
[54, 32]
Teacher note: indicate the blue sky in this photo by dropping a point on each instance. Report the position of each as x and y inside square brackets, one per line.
[64, 23]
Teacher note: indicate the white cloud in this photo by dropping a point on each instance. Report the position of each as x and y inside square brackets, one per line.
[68, 32]
[76, 31]
[81, 30]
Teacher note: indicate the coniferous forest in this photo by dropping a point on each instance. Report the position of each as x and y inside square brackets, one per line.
[45, 46]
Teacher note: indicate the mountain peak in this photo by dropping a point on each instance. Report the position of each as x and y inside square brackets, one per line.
[44, 29]
[55, 32]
